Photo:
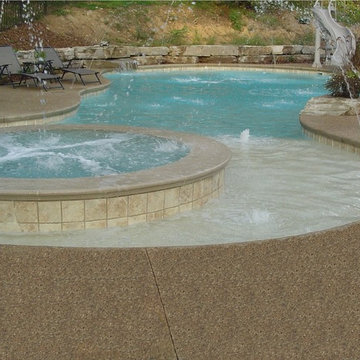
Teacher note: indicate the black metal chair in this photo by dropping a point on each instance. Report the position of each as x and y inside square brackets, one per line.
[11, 69]
[53, 63]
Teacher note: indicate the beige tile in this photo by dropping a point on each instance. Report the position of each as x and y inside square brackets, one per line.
[76, 225]
[172, 197]
[7, 211]
[185, 207]
[157, 215]
[221, 178]
[171, 211]
[29, 227]
[197, 204]
[155, 201]
[137, 204]
[10, 227]
[119, 222]
[117, 207]
[137, 219]
[26, 211]
[215, 182]
[97, 224]
[95, 209]
[207, 186]
[215, 194]
[186, 194]
[49, 227]
[73, 210]
[198, 190]
[205, 199]
[49, 212]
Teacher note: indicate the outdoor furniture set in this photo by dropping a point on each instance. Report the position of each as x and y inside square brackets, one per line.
[48, 69]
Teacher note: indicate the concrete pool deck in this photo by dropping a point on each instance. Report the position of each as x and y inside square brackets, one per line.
[33, 106]
[289, 298]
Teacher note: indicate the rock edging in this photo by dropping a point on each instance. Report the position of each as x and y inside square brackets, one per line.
[187, 54]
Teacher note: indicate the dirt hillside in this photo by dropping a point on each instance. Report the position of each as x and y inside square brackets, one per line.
[160, 24]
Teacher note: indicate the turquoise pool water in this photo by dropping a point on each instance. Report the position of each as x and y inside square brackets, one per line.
[277, 184]
[75, 153]
[211, 102]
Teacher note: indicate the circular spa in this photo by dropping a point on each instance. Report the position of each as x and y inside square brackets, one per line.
[58, 178]
[278, 182]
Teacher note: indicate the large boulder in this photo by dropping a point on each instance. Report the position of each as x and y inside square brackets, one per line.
[247, 50]
[147, 50]
[149, 60]
[211, 50]
[66, 54]
[218, 59]
[181, 59]
[259, 59]
[96, 52]
[24, 56]
[308, 50]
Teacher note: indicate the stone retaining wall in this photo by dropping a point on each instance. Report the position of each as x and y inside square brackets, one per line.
[191, 54]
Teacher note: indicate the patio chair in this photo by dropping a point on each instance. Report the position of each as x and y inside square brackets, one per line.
[53, 63]
[10, 68]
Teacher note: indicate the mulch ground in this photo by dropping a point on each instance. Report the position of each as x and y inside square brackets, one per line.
[24, 37]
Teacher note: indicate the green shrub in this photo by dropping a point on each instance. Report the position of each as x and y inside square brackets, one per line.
[196, 39]
[356, 59]
[141, 34]
[177, 36]
[211, 40]
[236, 19]
[344, 84]
[348, 12]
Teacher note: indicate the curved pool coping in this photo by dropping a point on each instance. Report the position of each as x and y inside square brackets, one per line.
[332, 121]
[115, 200]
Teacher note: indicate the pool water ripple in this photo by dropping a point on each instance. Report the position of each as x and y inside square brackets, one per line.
[277, 184]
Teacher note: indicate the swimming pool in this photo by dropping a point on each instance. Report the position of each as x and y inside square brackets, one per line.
[211, 103]
[278, 183]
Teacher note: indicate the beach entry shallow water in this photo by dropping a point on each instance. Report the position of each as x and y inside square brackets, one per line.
[278, 183]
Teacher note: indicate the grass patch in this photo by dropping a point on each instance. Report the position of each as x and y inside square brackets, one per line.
[197, 40]
[268, 19]
[253, 40]
[176, 37]
[105, 4]
[306, 39]
[236, 19]
[211, 40]
[204, 5]
[61, 12]
[142, 35]
[279, 40]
